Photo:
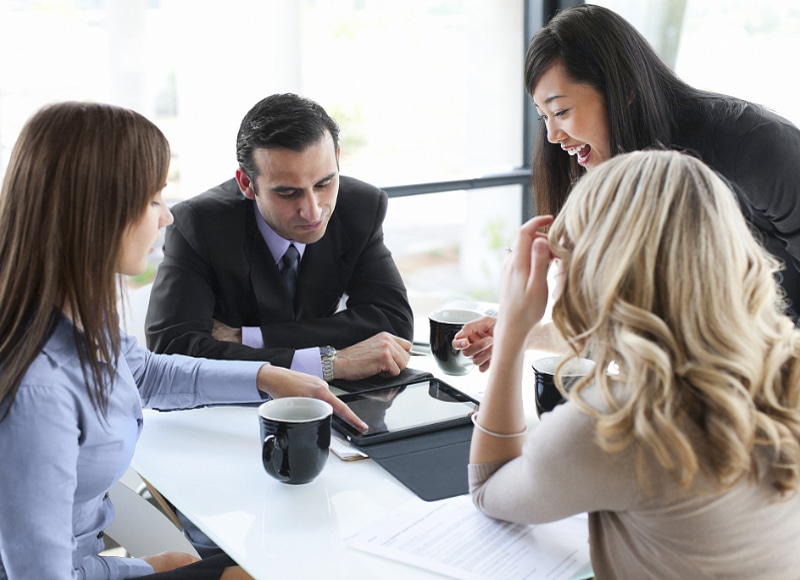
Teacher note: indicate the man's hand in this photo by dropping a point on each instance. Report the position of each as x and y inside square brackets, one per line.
[383, 354]
[166, 561]
[278, 382]
[226, 333]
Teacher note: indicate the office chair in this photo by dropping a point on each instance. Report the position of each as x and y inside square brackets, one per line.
[141, 528]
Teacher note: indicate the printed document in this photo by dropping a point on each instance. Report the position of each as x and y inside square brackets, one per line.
[453, 538]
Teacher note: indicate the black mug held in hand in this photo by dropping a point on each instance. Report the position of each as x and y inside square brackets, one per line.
[295, 437]
[548, 397]
[445, 324]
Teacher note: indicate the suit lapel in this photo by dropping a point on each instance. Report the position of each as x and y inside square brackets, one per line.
[322, 271]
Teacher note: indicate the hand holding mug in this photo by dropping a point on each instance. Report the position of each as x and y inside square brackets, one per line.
[475, 340]
[445, 324]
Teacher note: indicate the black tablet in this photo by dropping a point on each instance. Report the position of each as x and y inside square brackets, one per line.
[402, 411]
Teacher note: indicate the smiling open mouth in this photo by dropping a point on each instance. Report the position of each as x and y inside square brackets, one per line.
[582, 152]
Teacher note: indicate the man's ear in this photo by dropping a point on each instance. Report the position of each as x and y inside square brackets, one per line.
[245, 185]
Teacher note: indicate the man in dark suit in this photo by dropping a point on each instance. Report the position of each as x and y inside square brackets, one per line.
[335, 306]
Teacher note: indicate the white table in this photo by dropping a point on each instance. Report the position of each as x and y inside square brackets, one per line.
[207, 463]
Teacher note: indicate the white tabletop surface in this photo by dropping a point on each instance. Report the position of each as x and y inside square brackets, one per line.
[207, 463]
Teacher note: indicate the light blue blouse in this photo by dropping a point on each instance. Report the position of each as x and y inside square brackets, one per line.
[59, 458]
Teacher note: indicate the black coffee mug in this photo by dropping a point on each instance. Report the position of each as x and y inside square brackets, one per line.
[548, 397]
[295, 438]
[445, 324]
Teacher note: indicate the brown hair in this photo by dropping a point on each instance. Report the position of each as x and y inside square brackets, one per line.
[79, 175]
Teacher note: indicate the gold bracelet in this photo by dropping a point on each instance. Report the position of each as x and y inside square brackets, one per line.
[493, 434]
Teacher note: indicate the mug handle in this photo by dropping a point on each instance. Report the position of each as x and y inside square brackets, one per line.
[267, 451]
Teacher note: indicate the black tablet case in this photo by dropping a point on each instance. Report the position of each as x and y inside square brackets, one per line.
[432, 465]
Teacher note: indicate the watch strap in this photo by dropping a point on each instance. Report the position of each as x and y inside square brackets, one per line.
[327, 355]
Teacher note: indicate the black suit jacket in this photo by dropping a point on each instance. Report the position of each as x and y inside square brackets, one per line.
[218, 266]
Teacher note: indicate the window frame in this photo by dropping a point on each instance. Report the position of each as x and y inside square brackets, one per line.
[537, 13]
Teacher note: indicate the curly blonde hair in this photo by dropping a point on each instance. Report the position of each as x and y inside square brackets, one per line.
[666, 282]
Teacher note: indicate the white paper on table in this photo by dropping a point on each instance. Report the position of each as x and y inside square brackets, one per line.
[453, 538]
[345, 450]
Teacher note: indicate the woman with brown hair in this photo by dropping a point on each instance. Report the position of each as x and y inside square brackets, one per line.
[81, 205]
[687, 456]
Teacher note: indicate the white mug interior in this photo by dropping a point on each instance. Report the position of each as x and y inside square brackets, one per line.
[576, 367]
[295, 410]
[454, 316]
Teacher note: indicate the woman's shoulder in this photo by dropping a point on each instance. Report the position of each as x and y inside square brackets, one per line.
[740, 140]
[732, 117]
[57, 366]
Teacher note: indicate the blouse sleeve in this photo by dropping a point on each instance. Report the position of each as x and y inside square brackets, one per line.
[171, 382]
[113, 568]
[560, 473]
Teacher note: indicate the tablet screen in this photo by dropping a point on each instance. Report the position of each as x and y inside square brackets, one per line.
[397, 411]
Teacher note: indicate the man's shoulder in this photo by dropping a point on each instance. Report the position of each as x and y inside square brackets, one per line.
[359, 196]
[347, 183]
[224, 196]
[215, 215]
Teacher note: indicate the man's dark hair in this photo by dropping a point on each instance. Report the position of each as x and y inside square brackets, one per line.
[286, 121]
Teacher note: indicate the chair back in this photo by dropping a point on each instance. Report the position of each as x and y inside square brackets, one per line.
[141, 528]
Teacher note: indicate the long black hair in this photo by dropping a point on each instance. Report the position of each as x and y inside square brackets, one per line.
[597, 47]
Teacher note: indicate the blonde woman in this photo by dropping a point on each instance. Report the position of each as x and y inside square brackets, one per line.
[688, 459]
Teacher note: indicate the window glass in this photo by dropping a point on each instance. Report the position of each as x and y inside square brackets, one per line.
[737, 47]
[424, 91]
[450, 246]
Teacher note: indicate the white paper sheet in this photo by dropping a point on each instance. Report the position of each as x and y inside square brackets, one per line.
[453, 538]
[345, 450]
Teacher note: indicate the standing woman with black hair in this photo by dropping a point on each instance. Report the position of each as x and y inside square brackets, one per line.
[600, 90]
[81, 205]
[644, 104]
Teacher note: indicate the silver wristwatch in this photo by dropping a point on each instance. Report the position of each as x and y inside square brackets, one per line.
[327, 354]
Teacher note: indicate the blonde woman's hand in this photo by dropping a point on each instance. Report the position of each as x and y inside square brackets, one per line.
[523, 288]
